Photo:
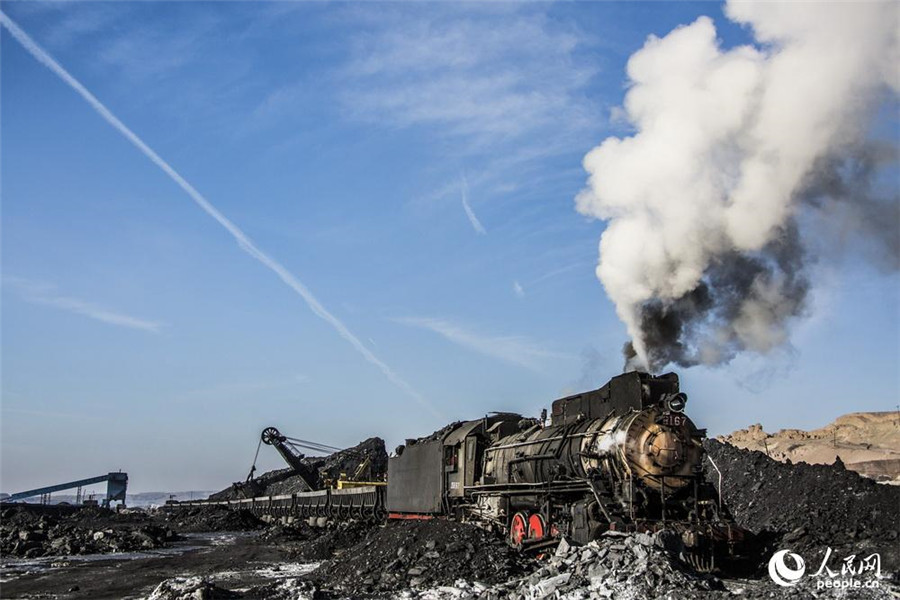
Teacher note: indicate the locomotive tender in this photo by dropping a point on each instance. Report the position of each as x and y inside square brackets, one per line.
[622, 457]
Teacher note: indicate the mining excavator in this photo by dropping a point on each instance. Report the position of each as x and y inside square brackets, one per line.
[292, 451]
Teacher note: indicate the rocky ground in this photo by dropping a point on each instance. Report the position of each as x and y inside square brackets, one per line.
[30, 533]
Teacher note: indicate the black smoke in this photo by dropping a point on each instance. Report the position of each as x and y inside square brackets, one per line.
[711, 324]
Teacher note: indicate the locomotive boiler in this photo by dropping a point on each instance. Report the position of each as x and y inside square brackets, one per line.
[622, 457]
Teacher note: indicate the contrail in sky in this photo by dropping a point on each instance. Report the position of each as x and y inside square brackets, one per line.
[46, 294]
[242, 239]
[476, 224]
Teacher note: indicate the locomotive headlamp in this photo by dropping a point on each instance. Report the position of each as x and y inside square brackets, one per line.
[676, 402]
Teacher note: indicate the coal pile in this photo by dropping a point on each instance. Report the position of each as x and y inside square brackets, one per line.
[808, 507]
[211, 518]
[284, 481]
[29, 533]
[305, 543]
[421, 554]
[348, 460]
[618, 565]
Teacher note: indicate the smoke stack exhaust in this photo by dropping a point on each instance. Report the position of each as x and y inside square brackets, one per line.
[704, 254]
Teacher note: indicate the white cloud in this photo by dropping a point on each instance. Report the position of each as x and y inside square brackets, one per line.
[503, 87]
[45, 294]
[487, 79]
[99, 313]
[518, 289]
[516, 350]
[559, 271]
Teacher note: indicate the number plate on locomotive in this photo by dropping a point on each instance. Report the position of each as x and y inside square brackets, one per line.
[673, 419]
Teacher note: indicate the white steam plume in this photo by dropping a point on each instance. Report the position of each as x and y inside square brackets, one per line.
[245, 243]
[702, 255]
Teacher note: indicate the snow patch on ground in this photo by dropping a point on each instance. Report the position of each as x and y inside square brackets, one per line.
[284, 570]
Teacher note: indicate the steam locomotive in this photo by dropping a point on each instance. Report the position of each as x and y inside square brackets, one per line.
[623, 457]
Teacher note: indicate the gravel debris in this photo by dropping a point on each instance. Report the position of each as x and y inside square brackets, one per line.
[622, 566]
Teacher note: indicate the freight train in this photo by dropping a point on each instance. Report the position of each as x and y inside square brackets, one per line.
[623, 457]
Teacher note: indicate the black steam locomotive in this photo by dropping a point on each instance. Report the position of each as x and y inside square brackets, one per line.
[623, 457]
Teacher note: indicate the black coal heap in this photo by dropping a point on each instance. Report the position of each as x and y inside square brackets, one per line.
[807, 507]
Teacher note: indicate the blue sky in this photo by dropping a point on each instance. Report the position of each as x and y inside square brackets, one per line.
[414, 166]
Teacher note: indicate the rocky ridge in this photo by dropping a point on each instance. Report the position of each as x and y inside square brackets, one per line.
[866, 442]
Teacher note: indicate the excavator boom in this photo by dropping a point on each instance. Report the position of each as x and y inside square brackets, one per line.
[308, 476]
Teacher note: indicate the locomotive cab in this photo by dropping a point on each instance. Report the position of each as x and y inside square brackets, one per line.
[429, 475]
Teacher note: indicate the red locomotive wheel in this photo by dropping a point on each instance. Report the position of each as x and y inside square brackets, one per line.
[517, 529]
[536, 528]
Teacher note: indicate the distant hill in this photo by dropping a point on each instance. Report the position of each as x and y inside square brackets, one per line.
[159, 498]
[866, 442]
